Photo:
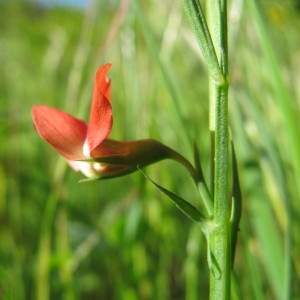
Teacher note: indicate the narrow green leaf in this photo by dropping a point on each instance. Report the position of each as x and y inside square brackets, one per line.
[201, 184]
[236, 209]
[198, 161]
[188, 209]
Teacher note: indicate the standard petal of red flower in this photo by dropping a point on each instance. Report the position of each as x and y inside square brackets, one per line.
[100, 122]
[65, 133]
[102, 80]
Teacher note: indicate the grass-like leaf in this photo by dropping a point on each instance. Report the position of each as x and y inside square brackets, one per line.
[188, 209]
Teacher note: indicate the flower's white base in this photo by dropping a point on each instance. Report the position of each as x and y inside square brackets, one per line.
[89, 169]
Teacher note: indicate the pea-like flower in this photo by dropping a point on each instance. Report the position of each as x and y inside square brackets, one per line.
[87, 147]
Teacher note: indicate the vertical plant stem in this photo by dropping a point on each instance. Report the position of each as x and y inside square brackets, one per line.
[220, 236]
[213, 42]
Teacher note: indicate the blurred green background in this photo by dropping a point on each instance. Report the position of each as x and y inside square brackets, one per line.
[121, 238]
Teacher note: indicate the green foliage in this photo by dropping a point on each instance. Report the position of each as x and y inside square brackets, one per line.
[122, 238]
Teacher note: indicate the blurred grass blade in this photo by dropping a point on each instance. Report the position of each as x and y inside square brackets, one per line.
[289, 113]
[168, 78]
[289, 116]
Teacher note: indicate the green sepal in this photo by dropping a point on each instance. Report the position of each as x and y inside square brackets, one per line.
[89, 179]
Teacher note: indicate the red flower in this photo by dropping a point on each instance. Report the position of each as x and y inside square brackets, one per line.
[70, 136]
[86, 147]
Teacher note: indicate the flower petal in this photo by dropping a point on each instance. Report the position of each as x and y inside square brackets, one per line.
[100, 122]
[62, 131]
[109, 148]
[103, 81]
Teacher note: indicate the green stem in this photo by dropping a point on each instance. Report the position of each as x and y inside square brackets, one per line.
[220, 236]
[213, 42]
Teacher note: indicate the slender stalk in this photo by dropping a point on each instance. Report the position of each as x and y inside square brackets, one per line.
[213, 42]
[220, 237]
[220, 234]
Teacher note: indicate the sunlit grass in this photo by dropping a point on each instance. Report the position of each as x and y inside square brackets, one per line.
[122, 239]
